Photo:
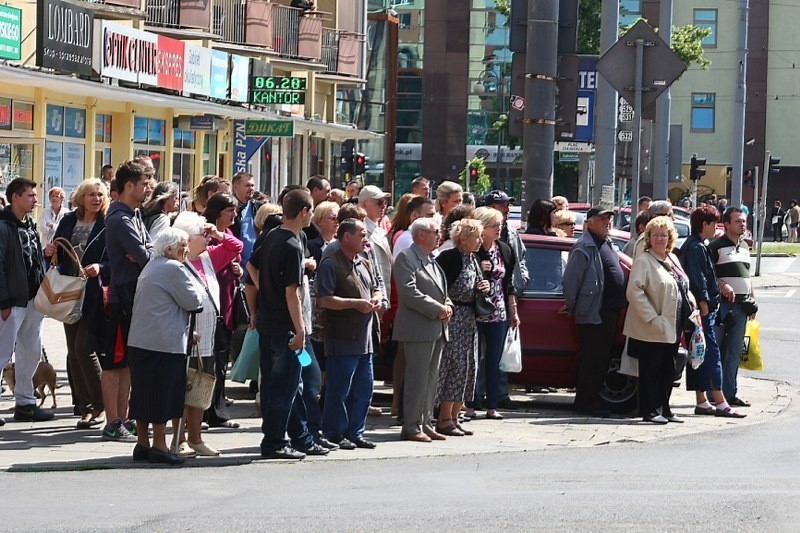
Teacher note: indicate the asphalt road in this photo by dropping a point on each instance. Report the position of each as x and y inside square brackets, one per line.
[737, 479]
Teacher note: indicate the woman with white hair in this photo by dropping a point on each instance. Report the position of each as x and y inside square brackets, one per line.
[156, 211]
[448, 196]
[202, 261]
[158, 343]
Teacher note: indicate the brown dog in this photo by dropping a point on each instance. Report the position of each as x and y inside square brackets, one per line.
[45, 375]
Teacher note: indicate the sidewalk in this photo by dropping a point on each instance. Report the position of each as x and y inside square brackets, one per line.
[543, 421]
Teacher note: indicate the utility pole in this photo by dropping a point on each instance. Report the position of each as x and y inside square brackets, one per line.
[739, 106]
[541, 74]
[605, 137]
[661, 154]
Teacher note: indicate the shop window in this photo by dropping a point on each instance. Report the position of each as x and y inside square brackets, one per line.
[157, 156]
[150, 131]
[5, 114]
[102, 128]
[707, 18]
[184, 138]
[210, 154]
[55, 120]
[703, 112]
[23, 116]
[182, 169]
[74, 122]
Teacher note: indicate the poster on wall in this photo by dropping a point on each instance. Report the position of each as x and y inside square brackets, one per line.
[73, 168]
[240, 78]
[74, 122]
[52, 166]
[219, 74]
[197, 70]
[55, 120]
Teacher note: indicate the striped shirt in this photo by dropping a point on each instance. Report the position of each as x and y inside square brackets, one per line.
[732, 261]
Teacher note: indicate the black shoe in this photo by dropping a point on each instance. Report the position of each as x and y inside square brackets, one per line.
[314, 449]
[157, 456]
[230, 424]
[286, 452]
[141, 453]
[364, 443]
[31, 413]
[344, 444]
[325, 443]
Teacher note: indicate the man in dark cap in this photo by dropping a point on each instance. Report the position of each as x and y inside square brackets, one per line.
[594, 291]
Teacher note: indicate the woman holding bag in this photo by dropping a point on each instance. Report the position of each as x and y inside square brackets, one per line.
[459, 365]
[84, 228]
[202, 262]
[221, 212]
[657, 309]
[496, 260]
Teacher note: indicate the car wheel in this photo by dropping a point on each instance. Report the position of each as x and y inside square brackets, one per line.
[620, 392]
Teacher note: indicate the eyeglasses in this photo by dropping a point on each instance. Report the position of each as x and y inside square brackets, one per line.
[380, 201]
[566, 224]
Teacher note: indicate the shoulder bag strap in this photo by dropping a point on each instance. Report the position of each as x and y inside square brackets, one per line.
[190, 268]
[65, 245]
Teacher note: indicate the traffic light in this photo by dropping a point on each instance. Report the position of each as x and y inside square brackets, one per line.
[473, 173]
[747, 178]
[695, 173]
[348, 149]
[773, 161]
[360, 165]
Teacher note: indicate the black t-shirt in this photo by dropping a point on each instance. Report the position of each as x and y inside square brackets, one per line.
[613, 276]
[279, 260]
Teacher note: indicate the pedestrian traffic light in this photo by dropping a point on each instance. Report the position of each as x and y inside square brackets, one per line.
[747, 178]
[695, 173]
[360, 165]
[473, 173]
[773, 161]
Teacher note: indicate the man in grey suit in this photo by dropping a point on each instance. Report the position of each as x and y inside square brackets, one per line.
[421, 325]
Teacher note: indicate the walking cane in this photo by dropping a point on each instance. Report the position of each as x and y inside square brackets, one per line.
[176, 437]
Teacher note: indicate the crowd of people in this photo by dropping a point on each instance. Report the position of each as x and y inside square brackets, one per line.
[329, 281]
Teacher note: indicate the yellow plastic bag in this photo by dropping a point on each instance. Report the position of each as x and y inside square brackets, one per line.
[751, 350]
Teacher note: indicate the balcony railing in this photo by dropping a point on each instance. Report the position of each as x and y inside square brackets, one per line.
[135, 4]
[244, 22]
[285, 29]
[330, 49]
[179, 14]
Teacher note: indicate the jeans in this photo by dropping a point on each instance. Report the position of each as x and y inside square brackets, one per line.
[280, 387]
[708, 376]
[492, 336]
[730, 335]
[305, 409]
[348, 393]
[23, 326]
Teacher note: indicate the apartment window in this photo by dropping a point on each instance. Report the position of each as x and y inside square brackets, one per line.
[707, 18]
[703, 111]
[629, 12]
[404, 20]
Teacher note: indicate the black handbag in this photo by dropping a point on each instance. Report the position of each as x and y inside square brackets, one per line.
[484, 306]
[749, 306]
[241, 313]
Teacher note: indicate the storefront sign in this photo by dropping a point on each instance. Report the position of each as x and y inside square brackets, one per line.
[197, 70]
[240, 72]
[219, 75]
[278, 90]
[269, 128]
[202, 122]
[10, 33]
[64, 37]
[23, 116]
[138, 56]
[239, 146]
[5, 113]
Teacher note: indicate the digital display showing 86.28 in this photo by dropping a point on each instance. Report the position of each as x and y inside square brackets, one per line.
[268, 90]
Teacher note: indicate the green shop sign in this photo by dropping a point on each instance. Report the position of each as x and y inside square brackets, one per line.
[269, 128]
[10, 33]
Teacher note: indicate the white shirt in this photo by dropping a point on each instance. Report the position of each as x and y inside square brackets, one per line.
[48, 222]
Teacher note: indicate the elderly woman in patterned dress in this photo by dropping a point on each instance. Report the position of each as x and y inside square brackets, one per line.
[458, 368]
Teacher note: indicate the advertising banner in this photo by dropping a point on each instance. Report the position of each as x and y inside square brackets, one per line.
[10, 33]
[64, 37]
[219, 75]
[240, 76]
[197, 70]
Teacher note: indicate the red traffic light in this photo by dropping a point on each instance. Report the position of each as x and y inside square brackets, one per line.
[473, 172]
[360, 160]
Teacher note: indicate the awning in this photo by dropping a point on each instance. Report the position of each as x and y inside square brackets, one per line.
[81, 87]
[337, 132]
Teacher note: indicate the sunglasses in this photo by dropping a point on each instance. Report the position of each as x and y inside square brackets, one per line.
[566, 224]
[379, 201]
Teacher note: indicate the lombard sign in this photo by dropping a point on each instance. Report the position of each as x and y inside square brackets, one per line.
[10, 33]
[64, 37]
[138, 56]
[197, 70]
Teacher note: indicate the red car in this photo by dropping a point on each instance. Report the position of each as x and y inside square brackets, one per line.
[549, 338]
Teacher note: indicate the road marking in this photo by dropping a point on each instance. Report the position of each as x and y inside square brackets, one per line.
[790, 293]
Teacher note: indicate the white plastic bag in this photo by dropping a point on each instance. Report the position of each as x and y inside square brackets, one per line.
[511, 360]
[627, 364]
[697, 349]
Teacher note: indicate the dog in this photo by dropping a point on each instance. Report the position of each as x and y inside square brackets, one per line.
[45, 375]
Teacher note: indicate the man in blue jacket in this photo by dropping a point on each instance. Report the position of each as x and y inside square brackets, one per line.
[594, 289]
[21, 273]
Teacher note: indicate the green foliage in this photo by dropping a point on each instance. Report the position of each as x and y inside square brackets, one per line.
[483, 184]
[687, 42]
[501, 126]
[503, 7]
[589, 26]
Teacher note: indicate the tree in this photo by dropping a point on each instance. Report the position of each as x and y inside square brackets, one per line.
[589, 26]
[482, 184]
[687, 42]
[503, 7]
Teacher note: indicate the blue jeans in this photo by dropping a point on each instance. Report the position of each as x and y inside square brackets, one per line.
[280, 387]
[708, 376]
[348, 393]
[730, 335]
[492, 338]
[305, 409]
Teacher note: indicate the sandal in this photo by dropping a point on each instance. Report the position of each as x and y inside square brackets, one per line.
[466, 432]
[729, 413]
[738, 402]
[451, 430]
[493, 415]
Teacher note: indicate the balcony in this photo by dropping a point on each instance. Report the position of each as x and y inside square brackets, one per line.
[256, 15]
[179, 14]
[340, 52]
[116, 9]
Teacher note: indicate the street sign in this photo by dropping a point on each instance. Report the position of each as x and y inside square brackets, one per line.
[572, 146]
[517, 102]
[661, 65]
[568, 157]
[625, 136]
